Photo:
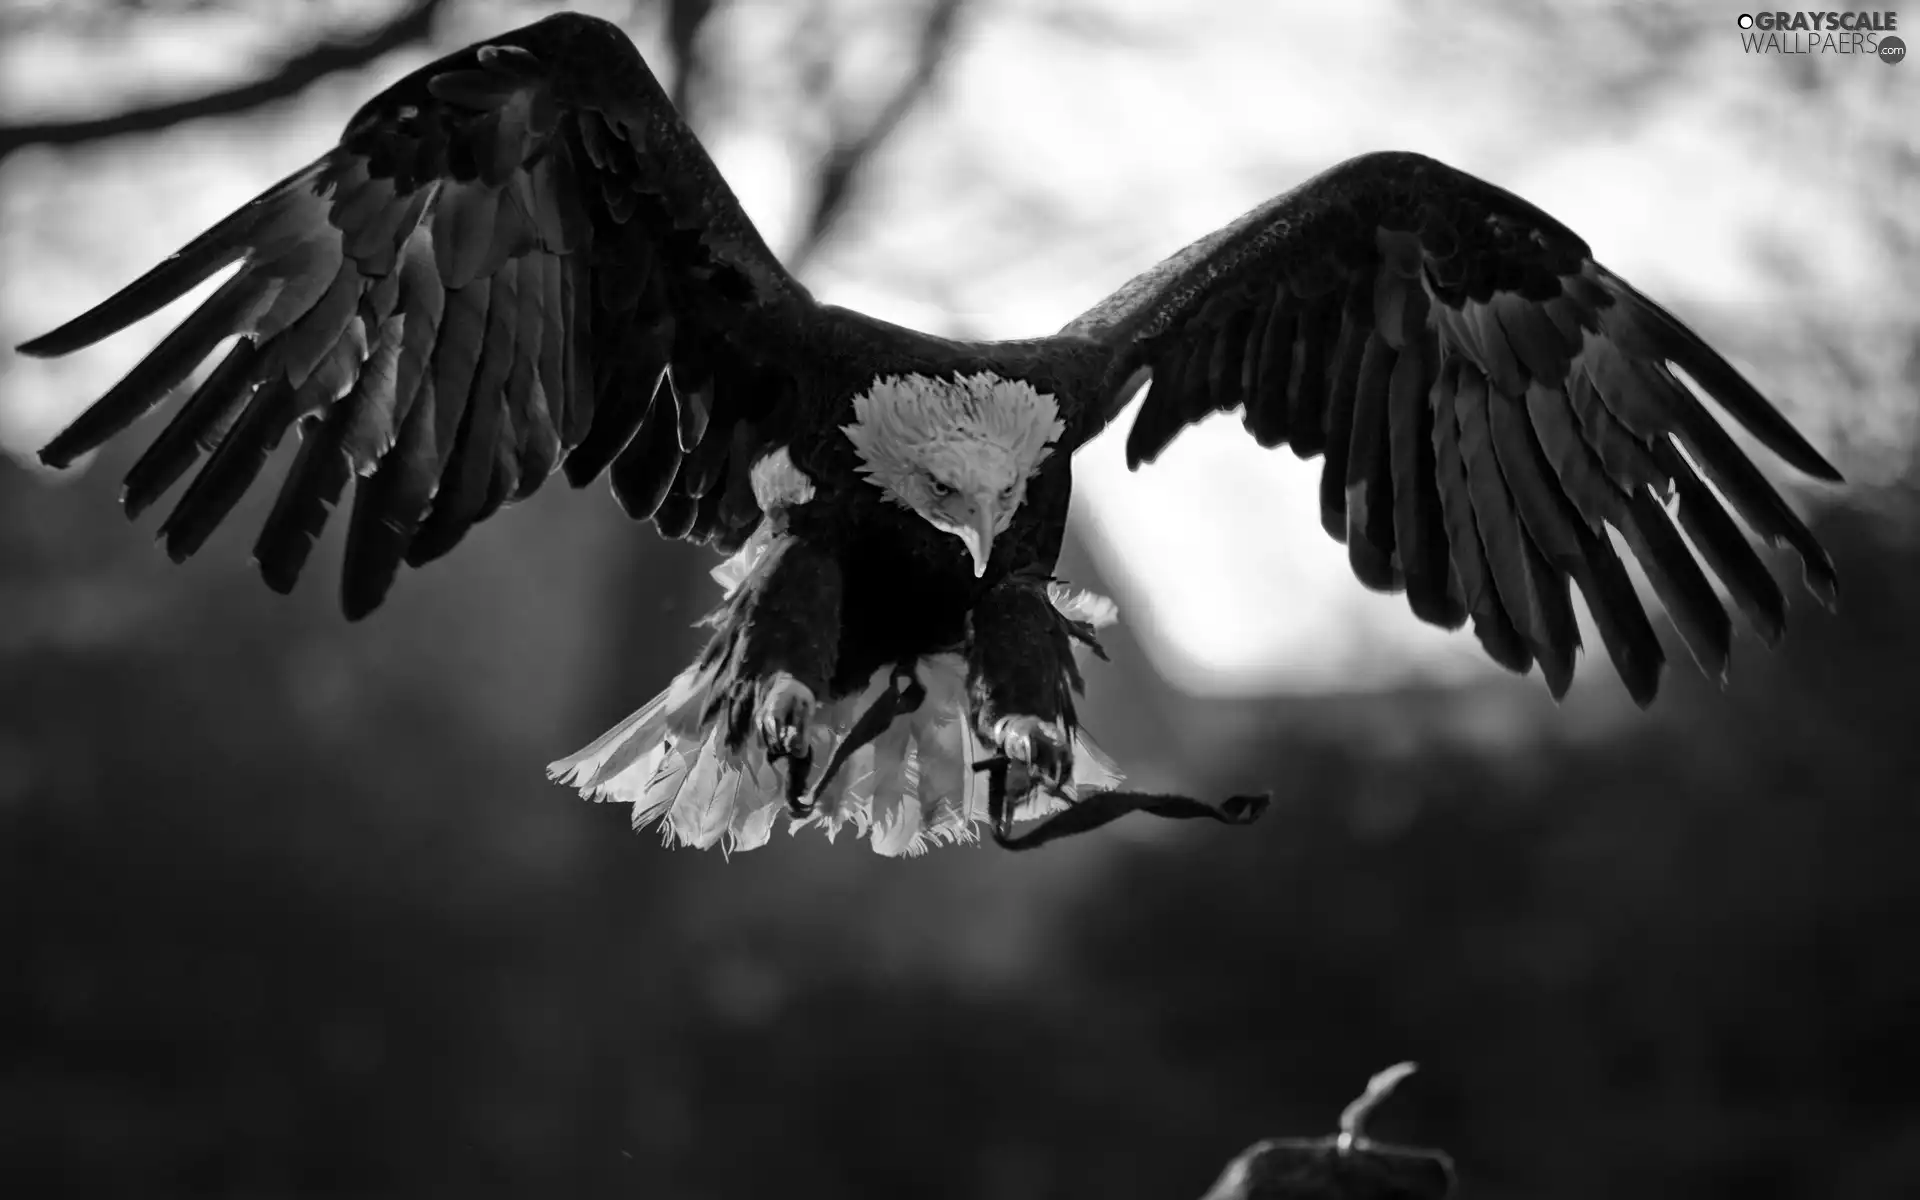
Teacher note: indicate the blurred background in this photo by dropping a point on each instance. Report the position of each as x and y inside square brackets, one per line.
[291, 910]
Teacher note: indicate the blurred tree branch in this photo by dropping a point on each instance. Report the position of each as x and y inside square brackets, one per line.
[853, 146]
[685, 19]
[289, 78]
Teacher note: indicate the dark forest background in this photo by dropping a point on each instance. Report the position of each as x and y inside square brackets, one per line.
[290, 909]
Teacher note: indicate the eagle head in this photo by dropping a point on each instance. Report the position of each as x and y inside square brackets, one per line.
[958, 451]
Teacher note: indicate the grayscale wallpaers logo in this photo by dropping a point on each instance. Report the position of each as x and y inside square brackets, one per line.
[1864, 33]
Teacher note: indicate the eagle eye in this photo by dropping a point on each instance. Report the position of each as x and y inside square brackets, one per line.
[940, 488]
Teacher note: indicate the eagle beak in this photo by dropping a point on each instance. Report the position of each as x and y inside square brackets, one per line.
[978, 536]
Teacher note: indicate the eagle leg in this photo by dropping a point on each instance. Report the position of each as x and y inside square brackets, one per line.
[1020, 681]
[789, 634]
[999, 812]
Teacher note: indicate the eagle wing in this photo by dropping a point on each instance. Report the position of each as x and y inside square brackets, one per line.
[516, 257]
[1488, 400]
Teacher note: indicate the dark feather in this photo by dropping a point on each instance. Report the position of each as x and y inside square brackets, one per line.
[1568, 546]
[1399, 307]
[467, 477]
[1419, 527]
[693, 406]
[1160, 417]
[1649, 400]
[1726, 550]
[1627, 459]
[1684, 591]
[1622, 620]
[1253, 332]
[535, 448]
[1570, 320]
[367, 412]
[1550, 521]
[577, 362]
[1465, 544]
[676, 514]
[504, 480]
[1525, 582]
[1679, 345]
[1540, 348]
[706, 517]
[703, 467]
[388, 506]
[1267, 418]
[463, 237]
[181, 272]
[1580, 473]
[1561, 403]
[1356, 331]
[1307, 392]
[378, 413]
[622, 409]
[448, 253]
[1558, 635]
[1368, 494]
[232, 467]
[1195, 398]
[309, 341]
[313, 486]
[553, 350]
[1502, 367]
[1756, 500]
[195, 429]
[1224, 387]
[644, 472]
[225, 312]
[456, 358]
[375, 243]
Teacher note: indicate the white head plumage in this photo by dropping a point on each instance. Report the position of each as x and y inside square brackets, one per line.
[957, 451]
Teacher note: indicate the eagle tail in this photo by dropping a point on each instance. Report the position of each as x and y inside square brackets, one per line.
[910, 789]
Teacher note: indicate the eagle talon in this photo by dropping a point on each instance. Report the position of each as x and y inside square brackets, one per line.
[799, 768]
[1041, 747]
[783, 714]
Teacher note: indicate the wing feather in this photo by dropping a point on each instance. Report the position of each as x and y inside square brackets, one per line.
[388, 507]
[1465, 548]
[197, 428]
[645, 470]
[1572, 549]
[1493, 407]
[1349, 352]
[1531, 590]
[1726, 550]
[482, 282]
[1224, 365]
[1419, 525]
[1683, 588]
[1314, 337]
[1267, 420]
[313, 485]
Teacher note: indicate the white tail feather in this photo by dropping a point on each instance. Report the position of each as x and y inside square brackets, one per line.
[910, 789]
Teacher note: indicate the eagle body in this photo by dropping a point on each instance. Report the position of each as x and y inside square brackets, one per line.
[519, 261]
[906, 587]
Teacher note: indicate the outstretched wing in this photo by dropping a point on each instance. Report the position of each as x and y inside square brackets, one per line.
[517, 255]
[1489, 401]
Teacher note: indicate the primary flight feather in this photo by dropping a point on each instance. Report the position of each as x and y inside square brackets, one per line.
[519, 259]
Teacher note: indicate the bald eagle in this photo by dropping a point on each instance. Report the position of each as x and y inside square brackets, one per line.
[518, 259]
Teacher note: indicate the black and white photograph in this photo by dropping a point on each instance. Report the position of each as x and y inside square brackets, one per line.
[959, 599]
